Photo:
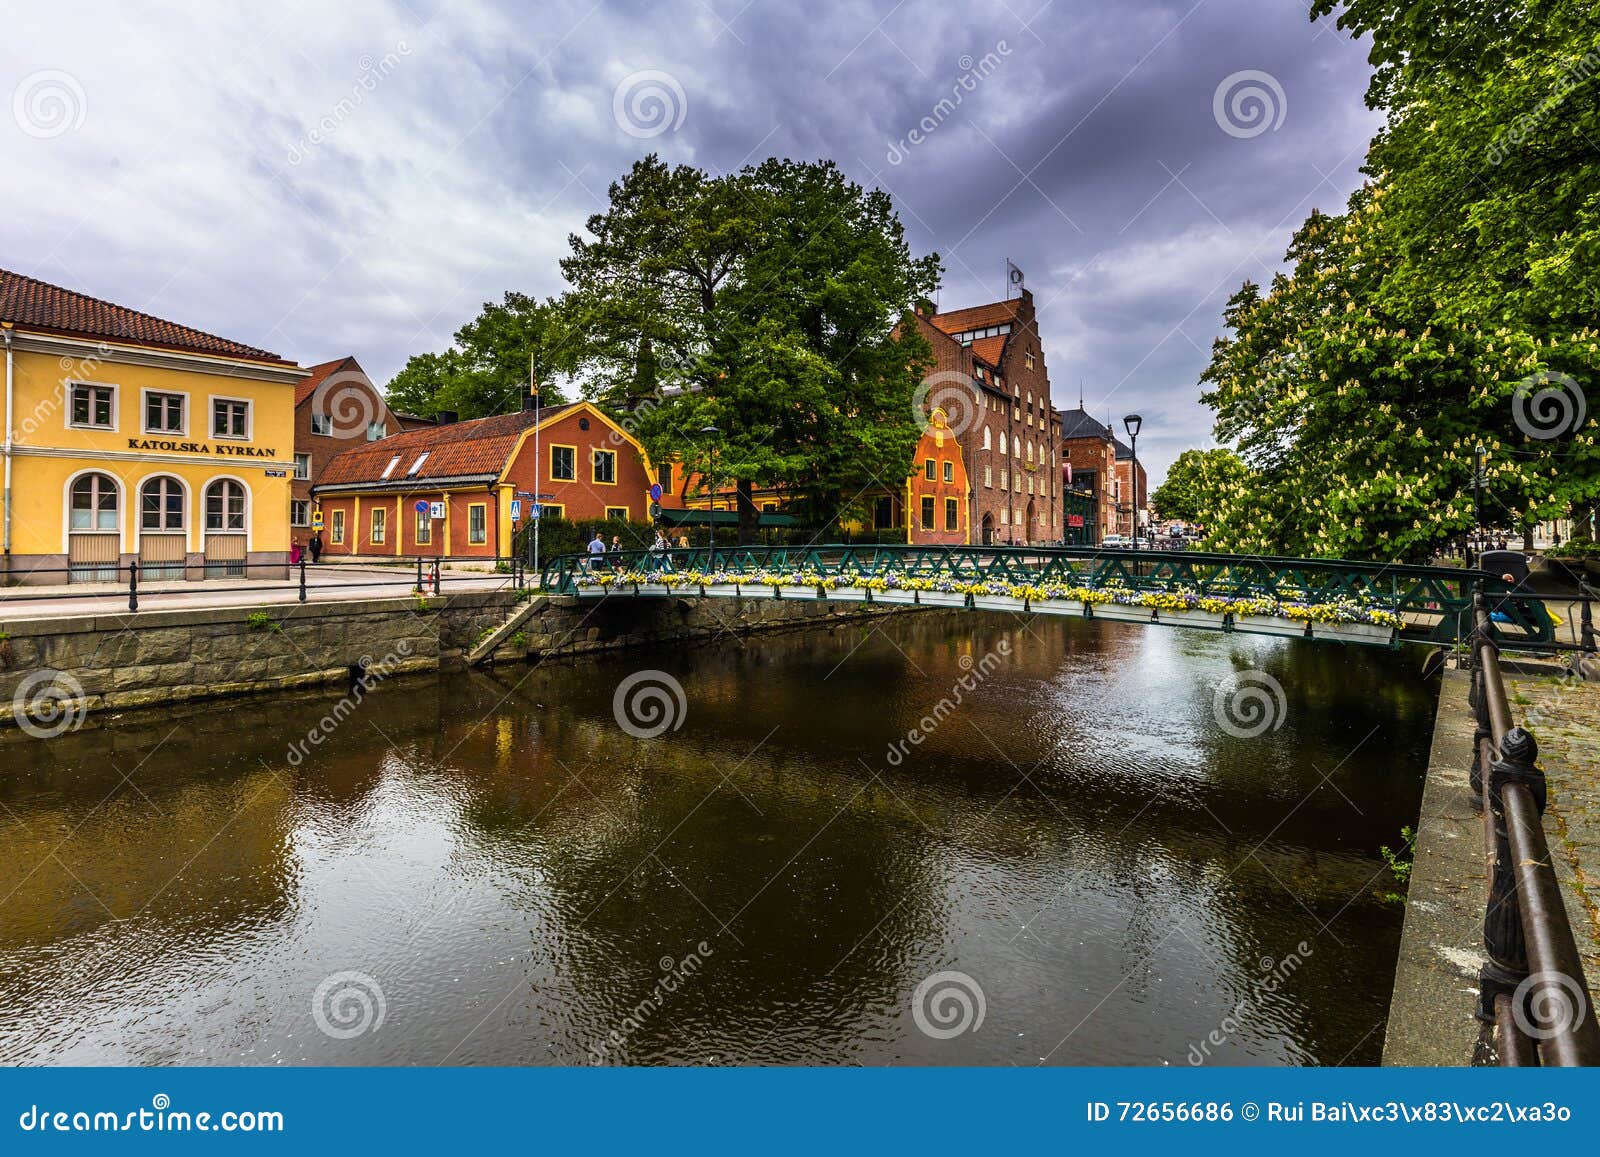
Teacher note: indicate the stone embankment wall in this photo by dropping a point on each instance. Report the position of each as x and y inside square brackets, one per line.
[118, 661]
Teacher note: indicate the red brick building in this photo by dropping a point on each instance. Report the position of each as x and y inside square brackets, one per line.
[1103, 465]
[477, 478]
[337, 407]
[1010, 444]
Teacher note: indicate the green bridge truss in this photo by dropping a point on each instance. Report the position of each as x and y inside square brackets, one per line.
[1436, 602]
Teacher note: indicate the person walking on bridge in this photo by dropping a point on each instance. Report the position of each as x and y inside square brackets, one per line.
[597, 547]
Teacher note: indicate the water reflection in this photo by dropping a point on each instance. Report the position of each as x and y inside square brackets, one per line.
[521, 878]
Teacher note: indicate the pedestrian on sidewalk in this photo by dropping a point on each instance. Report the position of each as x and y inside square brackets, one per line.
[294, 553]
[316, 547]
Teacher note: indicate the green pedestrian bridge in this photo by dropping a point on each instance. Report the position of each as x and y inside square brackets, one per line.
[1336, 600]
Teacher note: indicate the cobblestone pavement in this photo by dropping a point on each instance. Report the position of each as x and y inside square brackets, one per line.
[1564, 716]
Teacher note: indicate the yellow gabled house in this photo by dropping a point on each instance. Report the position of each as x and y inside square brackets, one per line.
[132, 438]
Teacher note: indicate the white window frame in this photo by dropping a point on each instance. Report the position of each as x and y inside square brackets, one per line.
[305, 504]
[302, 476]
[116, 405]
[144, 411]
[249, 417]
[327, 420]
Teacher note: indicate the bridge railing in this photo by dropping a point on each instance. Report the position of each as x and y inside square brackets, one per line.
[1532, 987]
[1435, 601]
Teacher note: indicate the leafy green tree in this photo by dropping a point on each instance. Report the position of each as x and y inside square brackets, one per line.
[1197, 483]
[486, 370]
[767, 304]
[1452, 303]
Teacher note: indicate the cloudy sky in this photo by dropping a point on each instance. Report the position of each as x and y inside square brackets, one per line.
[324, 179]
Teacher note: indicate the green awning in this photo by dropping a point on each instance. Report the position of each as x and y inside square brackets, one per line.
[674, 517]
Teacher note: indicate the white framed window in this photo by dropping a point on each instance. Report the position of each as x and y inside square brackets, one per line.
[322, 424]
[165, 412]
[988, 477]
[225, 506]
[94, 406]
[299, 512]
[1005, 480]
[377, 431]
[417, 465]
[302, 467]
[95, 502]
[389, 469]
[1002, 441]
[230, 418]
[161, 504]
[986, 439]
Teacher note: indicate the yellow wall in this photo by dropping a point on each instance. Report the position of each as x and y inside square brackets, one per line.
[48, 452]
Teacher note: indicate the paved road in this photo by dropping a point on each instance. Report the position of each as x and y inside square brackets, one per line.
[325, 583]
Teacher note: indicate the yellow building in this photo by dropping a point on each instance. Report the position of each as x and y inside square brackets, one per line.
[132, 438]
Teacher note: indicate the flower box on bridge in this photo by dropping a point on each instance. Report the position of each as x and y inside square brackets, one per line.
[793, 591]
[941, 598]
[1123, 612]
[1269, 625]
[1205, 620]
[894, 595]
[998, 603]
[846, 594]
[1369, 633]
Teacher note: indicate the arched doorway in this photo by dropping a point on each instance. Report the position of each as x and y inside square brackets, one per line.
[163, 527]
[988, 529]
[94, 529]
[1031, 524]
[227, 509]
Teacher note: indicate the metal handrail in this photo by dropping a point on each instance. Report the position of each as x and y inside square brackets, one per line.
[428, 577]
[1532, 986]
[1443, 594]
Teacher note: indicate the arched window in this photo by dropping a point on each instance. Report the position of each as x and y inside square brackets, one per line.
[161, 504]
[1002, 441]
[225, 506]
[986, 439]
[94, 503]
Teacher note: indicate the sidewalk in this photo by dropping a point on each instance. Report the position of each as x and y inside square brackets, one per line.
[324, 583]
[1564, 716]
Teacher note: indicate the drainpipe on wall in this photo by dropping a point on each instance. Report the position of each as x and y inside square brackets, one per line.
[10, 392]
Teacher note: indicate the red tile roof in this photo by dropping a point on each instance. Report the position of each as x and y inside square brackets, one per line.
[319, 374]
[474, 448]
[978, 316]
[989, 349]
[38, 305]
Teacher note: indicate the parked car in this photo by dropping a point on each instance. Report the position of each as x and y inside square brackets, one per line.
[1117, 540]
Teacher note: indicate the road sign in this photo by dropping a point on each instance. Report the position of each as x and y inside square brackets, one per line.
[534, 495]
[655, 492]
[516, 509]
[316, 521]
[535, 511]
[436, 510]
[655, 510]
[422, 506]
[277, 473]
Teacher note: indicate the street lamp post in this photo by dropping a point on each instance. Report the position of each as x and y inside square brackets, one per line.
[711, 493]
[1131, 423]
[1478, 453]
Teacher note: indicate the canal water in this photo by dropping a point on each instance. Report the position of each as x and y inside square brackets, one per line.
[941, 839]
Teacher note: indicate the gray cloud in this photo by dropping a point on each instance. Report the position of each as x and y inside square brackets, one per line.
[359, 178]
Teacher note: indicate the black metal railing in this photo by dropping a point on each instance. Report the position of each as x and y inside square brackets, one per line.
[131, 585]
[1532, 987]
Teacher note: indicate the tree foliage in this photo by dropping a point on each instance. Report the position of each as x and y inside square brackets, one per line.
[765, 303]
[1197, 482]
[486, 370]
[1453, 302]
